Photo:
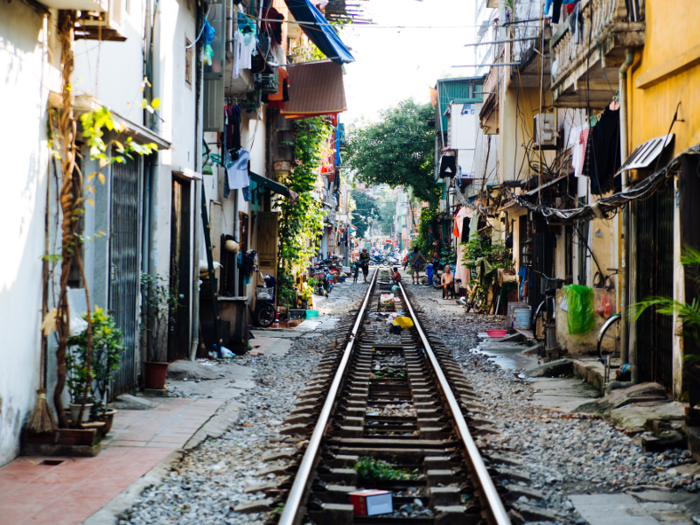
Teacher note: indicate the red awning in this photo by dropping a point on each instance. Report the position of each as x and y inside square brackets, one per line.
[315, 89]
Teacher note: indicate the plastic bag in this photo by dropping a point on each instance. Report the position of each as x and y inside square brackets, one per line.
[604, 306]
[403, 322]
[579, 314]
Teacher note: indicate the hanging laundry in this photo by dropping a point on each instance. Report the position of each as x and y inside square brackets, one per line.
[602, 159]
[244, 41]
[574, 144]
[238, 176]
[272, 22]
[233, 127]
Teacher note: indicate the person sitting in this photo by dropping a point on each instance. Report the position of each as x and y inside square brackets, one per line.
[395, 276]
[447, 283]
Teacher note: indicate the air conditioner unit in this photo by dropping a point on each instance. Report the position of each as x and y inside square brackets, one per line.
[545, 131]
[107, 25]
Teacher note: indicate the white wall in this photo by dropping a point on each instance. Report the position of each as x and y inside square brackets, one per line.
[26, 79]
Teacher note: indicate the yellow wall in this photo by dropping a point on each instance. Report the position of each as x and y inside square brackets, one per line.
[671, 34]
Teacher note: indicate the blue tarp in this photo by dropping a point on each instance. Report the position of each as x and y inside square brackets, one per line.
[319, 31]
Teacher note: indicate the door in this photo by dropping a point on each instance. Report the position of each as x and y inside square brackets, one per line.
[124, 257]
[267, 242]
[243, 236]
[179, 334]
[654, 252]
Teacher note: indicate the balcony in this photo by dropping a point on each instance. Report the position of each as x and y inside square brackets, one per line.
[586, 73]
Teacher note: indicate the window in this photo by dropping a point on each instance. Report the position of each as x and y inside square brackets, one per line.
[188, 61]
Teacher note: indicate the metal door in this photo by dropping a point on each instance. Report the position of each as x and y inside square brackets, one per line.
[124, 256]
[654, 252]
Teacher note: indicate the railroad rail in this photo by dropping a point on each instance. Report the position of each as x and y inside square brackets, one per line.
[392, 413]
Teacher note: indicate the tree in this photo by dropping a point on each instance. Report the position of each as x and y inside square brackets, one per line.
[397, 150]
[387, 209]
[366, 211]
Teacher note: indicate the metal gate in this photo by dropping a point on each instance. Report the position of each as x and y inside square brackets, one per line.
[654, 252]
[124, 255]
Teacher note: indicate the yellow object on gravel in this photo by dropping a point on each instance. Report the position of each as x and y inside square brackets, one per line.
[403, 322]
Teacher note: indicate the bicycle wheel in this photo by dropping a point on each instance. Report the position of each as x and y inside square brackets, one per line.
[609, 336]
[266, 315]
[539, 323]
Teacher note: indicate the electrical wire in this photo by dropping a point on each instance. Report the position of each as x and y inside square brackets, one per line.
[608, 207]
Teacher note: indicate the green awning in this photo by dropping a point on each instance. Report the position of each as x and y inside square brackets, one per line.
[273, 186]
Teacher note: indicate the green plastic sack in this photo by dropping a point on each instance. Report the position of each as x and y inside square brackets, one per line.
[579, 308]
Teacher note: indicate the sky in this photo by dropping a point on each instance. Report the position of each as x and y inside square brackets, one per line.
[396, 64]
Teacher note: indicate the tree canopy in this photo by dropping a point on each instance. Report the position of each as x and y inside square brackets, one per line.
[366, 210]
[398, 150]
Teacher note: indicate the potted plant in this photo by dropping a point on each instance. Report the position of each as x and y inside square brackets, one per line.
[107, 348]
[76, 374]
[158, 307]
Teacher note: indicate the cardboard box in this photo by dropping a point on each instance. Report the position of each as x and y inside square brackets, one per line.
[371, 502]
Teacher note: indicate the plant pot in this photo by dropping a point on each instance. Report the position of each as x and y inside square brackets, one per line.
[108, 419]
[75, 410]
[154, 374]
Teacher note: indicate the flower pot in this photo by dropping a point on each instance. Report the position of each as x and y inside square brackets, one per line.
[108, 419]
[154, 374]
[75, 410]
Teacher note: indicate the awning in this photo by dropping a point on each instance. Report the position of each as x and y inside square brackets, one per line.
[315, 89]
[319, 31]
[273, 186]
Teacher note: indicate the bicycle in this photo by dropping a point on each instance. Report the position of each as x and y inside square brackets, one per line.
[609, 334]
[544, 322]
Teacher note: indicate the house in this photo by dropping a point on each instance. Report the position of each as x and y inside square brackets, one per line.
[592, 109]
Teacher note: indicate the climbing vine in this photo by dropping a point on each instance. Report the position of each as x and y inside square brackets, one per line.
[301, 221]
[72, 196]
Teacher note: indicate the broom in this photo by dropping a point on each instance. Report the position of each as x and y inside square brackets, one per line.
[42, 419]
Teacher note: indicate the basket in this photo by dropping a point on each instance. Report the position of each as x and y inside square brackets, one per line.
[265, 294]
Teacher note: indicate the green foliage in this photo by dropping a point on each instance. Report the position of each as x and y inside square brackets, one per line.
[482, 251]
[387, 210]
[158, 305]
[371, 469]
[398, 150]
[448, 255]
[301, 222]
[93, 123]
[688, 313]
[107, 347]
[366, 211]
[427, 217]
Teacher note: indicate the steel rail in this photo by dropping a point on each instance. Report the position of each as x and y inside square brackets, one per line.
[296, 493]
[498, 512]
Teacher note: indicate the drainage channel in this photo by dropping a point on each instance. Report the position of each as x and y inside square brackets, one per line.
[388, 418]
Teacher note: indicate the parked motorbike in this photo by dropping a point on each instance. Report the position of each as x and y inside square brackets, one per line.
[265, 312]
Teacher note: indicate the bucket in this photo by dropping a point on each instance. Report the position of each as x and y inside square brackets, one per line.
[522, 318]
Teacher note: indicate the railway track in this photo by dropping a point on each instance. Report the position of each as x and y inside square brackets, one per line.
[395, 416]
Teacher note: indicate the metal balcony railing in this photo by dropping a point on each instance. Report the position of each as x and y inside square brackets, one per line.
[588, 52]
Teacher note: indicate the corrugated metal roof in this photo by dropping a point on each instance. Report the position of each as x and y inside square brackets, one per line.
[450, 89]
[315, 89]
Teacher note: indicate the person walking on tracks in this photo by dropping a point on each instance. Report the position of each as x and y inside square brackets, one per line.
[364, 263]
[414, 259]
